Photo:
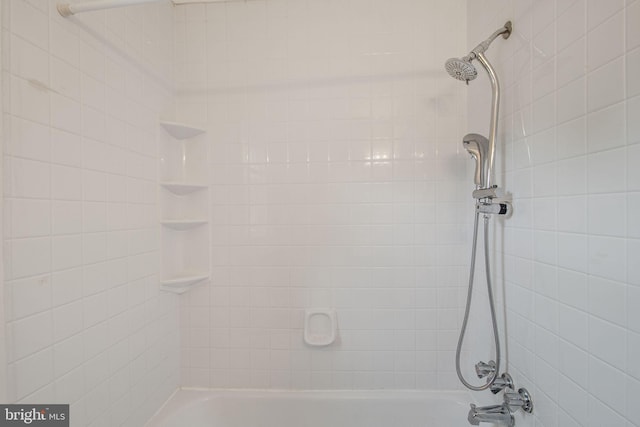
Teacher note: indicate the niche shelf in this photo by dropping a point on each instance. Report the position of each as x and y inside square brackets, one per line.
[182, 188]
[182, 284]
[183, 224]
[184, 207]
[181, 130]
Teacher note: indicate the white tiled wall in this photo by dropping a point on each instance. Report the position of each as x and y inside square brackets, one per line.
[571, 145]
[81, 100]
[337, 181]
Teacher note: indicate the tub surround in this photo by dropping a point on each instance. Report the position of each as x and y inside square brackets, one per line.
[86, 322]
[336, 179]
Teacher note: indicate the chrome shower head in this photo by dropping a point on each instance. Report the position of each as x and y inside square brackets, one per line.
[461, 69]
[478, 146]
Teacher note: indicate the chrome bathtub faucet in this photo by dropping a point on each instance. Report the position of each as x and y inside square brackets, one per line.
[502, 414]
[496, 414]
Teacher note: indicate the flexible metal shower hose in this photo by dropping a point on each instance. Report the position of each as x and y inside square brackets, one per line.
[468, 307]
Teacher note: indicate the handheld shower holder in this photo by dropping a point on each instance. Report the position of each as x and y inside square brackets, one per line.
[488, 201]
[486, 193]
[494, 208]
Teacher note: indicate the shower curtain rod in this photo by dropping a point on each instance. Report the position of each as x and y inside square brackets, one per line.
[68, 9]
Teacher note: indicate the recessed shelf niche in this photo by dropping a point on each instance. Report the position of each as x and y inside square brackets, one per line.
[183, 224]
[182, 188]
[184, 205]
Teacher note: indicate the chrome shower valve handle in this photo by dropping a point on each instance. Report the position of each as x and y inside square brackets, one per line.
[504, 381]
[521, 399]
[485, 369]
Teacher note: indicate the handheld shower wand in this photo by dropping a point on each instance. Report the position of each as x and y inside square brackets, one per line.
[478, 146]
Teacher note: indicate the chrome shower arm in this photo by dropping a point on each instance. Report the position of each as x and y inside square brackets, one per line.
[495, 105]
[505, 31]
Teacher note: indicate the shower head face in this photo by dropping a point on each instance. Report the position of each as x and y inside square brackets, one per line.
[461, 69]
[478, 146]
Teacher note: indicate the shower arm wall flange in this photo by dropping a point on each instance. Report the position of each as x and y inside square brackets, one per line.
[509, 28]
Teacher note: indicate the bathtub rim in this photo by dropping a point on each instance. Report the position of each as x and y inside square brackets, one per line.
[183, 397]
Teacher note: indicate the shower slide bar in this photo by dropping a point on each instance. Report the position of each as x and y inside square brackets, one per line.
[68, 9]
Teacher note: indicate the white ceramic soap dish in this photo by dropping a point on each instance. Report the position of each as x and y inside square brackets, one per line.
[320, 326]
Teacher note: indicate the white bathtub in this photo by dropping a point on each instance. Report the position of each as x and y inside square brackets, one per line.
[222, 408]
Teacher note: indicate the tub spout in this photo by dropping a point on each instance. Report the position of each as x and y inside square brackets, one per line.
[498, 414]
